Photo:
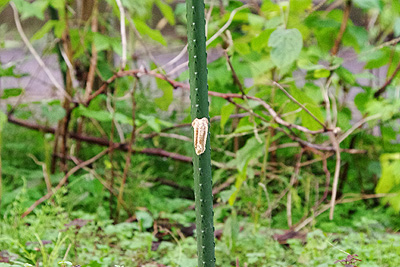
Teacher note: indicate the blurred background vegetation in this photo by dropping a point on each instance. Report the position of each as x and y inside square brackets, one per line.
[95, 134]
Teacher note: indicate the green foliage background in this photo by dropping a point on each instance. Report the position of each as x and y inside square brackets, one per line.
[254, 156]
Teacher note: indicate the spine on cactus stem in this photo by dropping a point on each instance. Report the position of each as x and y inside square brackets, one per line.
[200, 118]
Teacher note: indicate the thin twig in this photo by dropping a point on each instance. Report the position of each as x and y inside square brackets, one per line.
[44, 170]
[343, 26]
[35, 54]
[356, 126]
[298, 103]
[63, 181]
[335, 144]
[234, 75]
[212, 38]
[123, 32]
[93, 58]
[388, 82]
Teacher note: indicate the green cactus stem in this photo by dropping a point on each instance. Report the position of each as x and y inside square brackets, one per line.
[199, 109]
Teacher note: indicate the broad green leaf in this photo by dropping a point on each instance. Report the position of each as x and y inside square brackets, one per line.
[102, 115]
[226, 111]
[11, 92]
[166, 100]
[167, 11]
[321, 73]
[116, 46]
[396, 27]
[146, 30]
[144, 218]
[44, 30]
[361, 100]
[389, 181]
[286, 45]
[346, 75]
[261, 41]
[3, 4]
[387, 109]
[251, 150]
[58, 4]
[240, 178]
[101, 41]
[59, 28]
[154, 123]
[34, 9]
[53, 113]
[309, 103]
[9, 72]
[242, 48]
[368, 4]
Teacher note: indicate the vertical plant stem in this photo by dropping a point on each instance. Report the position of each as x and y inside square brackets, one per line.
[199, 109]
[129, 154]
[111, 158]
[66, 42]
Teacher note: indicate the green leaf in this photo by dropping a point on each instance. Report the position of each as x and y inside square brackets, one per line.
[45, 29]
[167, 11]
[12, 92]
[3, 4]
[389, 181]
[321, 73]
[144, 218]
[154, 123]
[368, 4]
[9, 72]
[261, 41]
[252, 149]
[146, 30]
[226, 111]
[346, 75]
[396, 27]
[165, 101]
[53, 113]
[101, 41]
[240, 178]
[286, 46]
[309, 103]
[58, 4]
[361, 100]
[377, 58]
[385, 108]
[34, 9]
[102, 115]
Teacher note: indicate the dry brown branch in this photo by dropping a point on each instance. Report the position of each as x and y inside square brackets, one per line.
[63, 181]
[343, 26]
[93, 58]
[388, 82]
[35, 54]
[102, 142]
